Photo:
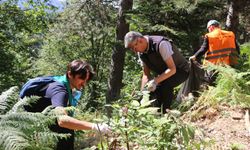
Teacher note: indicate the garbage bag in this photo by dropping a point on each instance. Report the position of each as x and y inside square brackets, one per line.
[194, 81]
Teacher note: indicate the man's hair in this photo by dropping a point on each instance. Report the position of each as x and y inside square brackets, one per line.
[130, 37]
[80, 67]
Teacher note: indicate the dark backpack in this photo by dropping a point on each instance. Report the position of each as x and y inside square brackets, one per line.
[34, 86]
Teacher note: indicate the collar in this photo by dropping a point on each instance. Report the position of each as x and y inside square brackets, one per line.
[74, 96]
[147, 39]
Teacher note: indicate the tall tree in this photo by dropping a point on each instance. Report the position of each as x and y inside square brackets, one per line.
[118, 55]
[238, 19]
[232, 22]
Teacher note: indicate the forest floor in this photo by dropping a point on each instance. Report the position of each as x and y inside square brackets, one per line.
[226, 127]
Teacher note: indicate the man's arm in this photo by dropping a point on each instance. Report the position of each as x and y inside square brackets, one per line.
[145, 76]
[168, 72]
[59, 101]
[166, 52]
[68, 122]
[203, 49]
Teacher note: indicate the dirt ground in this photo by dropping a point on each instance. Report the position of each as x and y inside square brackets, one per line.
[226, 127]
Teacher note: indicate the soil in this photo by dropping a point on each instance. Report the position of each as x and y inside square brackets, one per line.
[226, 127]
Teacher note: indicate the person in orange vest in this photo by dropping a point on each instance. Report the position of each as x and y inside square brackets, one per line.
[219, 46]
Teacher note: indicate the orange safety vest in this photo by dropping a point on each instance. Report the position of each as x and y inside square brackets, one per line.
[222, 48]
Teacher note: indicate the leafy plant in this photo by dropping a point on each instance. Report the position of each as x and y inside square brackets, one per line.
[232, 87]
[137, 125]
[21, 34]
[244, 61]
[237, 146]
[24, 130]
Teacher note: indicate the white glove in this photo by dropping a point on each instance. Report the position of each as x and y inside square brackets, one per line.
[192, 58]
[103, 128]
[151, 85]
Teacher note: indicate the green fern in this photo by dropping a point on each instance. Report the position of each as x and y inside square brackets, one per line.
[231, 87]
[244, 61]
[22, 102]
[8, 99]
[12, 139]
[21, 130]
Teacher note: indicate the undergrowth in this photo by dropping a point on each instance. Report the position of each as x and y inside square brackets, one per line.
[136, 125]
[232, 87]
[20, 130]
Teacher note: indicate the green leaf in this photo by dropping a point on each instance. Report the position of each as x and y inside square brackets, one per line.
[185, 135]
[149, 110]
[135, 103]
[145, 103]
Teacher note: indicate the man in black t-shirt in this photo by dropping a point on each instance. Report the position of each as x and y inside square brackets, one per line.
[59, 95]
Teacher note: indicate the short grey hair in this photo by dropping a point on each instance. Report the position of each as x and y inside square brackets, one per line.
[130, 37]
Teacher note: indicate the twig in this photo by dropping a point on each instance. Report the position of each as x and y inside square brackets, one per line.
[247, 123]
[126, 133]
[100, 136]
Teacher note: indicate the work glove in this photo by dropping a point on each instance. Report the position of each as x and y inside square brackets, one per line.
[192, 58]
[103, 128]
[151, 85]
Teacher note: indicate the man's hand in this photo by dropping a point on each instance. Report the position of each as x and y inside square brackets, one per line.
[192, 58]
[103, 128]
[151, 85]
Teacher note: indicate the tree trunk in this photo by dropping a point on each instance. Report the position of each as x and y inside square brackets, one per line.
[118, 55]
[232, 22]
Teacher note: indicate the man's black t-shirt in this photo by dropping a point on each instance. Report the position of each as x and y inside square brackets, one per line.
[55, 94]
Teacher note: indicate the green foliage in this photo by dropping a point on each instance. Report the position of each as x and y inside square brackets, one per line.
[183, 21]
[21, 130]
[131, 75]
[84, 30]
[21, 32]
[138, 125]
[244, 61]
[232, 87]
[8, 99]
[237, 146]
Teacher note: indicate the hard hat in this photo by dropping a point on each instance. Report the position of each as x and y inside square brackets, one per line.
[212, 22]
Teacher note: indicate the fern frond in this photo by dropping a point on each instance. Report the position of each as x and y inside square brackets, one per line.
[29, 131]
[19, 106]
[48, 138]
[23, 116]
[27, 121]
[12, 139]
[48, 110]
[8, 99]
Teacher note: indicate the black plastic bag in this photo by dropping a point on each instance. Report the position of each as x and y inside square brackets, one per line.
[194, 81]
